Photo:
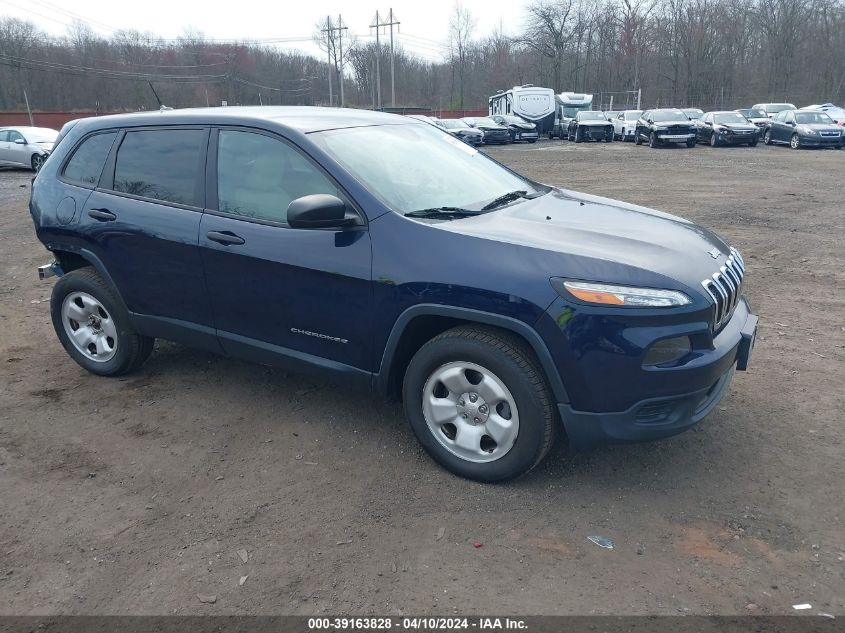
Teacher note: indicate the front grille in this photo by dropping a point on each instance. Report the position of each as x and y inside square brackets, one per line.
[679, 129]
[725, 287]
[830, 133]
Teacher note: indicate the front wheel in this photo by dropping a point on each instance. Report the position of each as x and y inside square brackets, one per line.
[691, 142]
[37, 162]
[652, 140]
[478, 402]
[767, 138]
[93, 325]
[752, 144]
[638, 140]
[795, 142]
[579, 135]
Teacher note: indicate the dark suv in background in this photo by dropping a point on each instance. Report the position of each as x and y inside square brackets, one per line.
[664, 127]
[374, 249]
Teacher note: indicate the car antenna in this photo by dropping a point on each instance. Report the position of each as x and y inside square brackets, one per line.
[161, 106]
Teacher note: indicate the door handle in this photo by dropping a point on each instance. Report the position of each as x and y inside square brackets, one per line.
[224, 237]
[103, 215]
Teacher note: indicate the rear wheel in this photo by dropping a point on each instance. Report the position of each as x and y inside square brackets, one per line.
[478, 402]
[795, 142]
[93, 325]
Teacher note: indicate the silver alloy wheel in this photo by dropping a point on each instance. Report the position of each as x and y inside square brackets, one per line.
[470, 412]
[37, 162]
[795, 142]
[89, 327]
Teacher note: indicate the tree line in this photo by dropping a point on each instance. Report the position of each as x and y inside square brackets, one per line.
[705, 53]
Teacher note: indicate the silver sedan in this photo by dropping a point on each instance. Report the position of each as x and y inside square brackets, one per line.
[26, 146]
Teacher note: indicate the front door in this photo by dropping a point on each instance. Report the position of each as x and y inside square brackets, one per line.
[276, 291]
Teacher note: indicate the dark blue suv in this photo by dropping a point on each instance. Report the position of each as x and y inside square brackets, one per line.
[375, 249]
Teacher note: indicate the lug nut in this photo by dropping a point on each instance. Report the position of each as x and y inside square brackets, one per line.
[465, 416]
[461, 402]
[476, 420]
[482, 408]
[473, 397]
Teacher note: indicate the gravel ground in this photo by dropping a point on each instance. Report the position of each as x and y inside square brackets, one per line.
[133, 495]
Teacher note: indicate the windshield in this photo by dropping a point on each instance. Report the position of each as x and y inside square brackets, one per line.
[812, 117]
[591, 116]
[633, 114]
[419, 167]
[453, 124]
[569, 112]
[754, 112]
[40, 135]
[485, 121]
[513, 119]
[668, 115]
[779, 107]
[729, 117]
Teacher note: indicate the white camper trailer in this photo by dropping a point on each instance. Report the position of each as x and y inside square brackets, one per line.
[532, 103]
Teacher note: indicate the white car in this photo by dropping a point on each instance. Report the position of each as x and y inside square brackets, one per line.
[26, 146]
[624, 124]
[833, 111]
[771, 109]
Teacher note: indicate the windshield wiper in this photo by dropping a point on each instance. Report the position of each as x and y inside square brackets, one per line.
[445, 213]
[508, 197]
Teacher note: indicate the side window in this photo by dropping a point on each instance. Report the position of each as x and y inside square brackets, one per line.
[88, 159]
[160, 164]
[4, 136]
[708, 118]
[14, 135]
[259, 176]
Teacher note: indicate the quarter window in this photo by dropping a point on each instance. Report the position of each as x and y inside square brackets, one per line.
[87, 161]
[259, 176]
[160, 164]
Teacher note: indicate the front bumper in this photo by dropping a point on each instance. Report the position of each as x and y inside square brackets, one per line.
[525, 136]
[675, 138]
[821, 141]
[687, 393]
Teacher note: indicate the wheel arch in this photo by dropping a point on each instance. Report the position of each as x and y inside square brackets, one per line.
[71, 258]
[420, 323]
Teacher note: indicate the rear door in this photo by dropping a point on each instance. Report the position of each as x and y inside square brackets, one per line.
[279, 291]
[4, 146]
[142, 222]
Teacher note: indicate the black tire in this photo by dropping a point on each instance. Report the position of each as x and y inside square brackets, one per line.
[795, 141]
[532, 141]
[36, 162]
[132, 349]
[506, 356]
[638, 140]
[652, 140]
[767, 137]
[691, 142]
[752, 144]
[714, 142]
[579, 135]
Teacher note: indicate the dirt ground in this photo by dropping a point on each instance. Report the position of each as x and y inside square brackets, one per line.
[133, 495]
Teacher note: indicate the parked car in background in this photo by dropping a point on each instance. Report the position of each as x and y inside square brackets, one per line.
[726, 128]
[519, 128]
[833, 111]
[804, 128]
[493, 132]
[693, 113]
[757, 117]
[771, 109]
[625, 123]
[610, 114]
[26, 146]
[392, 257]
[432, 120]
[461, 130]
[665, 126]
[590, 125]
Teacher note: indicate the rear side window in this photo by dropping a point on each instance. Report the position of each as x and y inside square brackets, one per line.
[87, 162]
[4, 136]
[160, 164]
[259, 176]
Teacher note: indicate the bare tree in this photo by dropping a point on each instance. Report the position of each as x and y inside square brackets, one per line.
[461, 26]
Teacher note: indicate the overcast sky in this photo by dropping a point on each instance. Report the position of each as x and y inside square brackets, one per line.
[423, 29]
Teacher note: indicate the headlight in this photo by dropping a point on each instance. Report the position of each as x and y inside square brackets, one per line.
[605, 294]
[807, 130]
[658, 128]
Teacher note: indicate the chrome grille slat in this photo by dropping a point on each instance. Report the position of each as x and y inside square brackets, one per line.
[725, 287]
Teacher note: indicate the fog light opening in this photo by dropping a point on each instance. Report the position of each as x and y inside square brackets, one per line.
[668, 350]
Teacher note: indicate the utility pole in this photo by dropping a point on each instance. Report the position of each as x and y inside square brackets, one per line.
[330, 34]
[391, 22]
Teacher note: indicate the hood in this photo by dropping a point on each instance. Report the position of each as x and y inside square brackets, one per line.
[524, 126]
[471, 131]
[821, 127]
[737, 126]
[686, 122]
[489, 126]
[598, 239]
[595, 123]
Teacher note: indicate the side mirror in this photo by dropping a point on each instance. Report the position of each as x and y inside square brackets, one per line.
[319, 211]
[791, 123]
[20, 141]
[649, 121]
[708, 123]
